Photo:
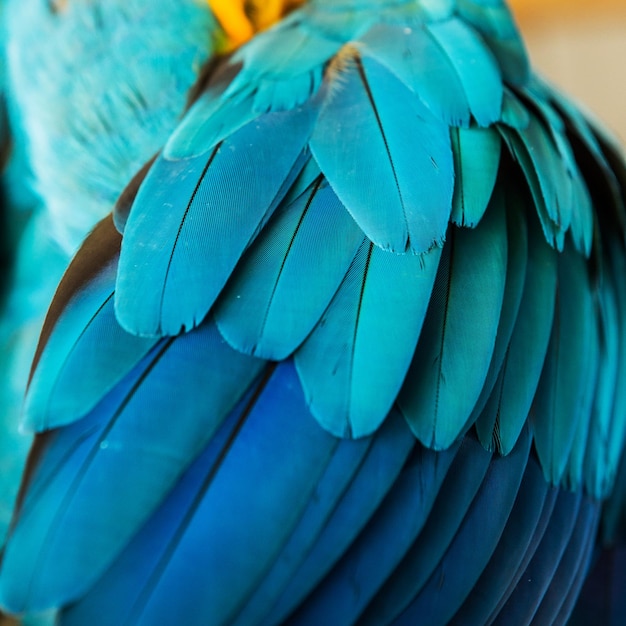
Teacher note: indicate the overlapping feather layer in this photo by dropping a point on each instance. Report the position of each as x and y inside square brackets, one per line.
[389, 220]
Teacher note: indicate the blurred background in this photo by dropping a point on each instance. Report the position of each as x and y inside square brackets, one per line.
[580, 45]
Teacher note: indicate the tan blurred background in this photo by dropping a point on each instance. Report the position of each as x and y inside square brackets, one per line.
[581, 46]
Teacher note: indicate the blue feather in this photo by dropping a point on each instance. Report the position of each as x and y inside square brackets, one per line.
[349, 587]
[455, 497]
[362, 500]
[456, 345]
[474, 543]
[524, 601]
[90, 468]
[353, 364]
[288, 277]
[512, 547]
[177, 254]
[572, 561]
[399, 192]
[71, 345]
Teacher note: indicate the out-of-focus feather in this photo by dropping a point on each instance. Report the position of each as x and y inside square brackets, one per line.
[81, 315]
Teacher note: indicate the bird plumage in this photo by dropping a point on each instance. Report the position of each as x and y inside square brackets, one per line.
[357, 355]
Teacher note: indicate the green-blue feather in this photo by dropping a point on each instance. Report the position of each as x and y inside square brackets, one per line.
[353, 364]
[476, 161]
[399, 192]
[557, 407]
[163, 287]
[455, 348]
[279, 291]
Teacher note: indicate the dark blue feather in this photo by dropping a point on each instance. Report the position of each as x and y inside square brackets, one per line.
[455, 497]
[362, 500]
[512, 547]
[474, 543]
[527, 596]
[352, 583]
[572, 562]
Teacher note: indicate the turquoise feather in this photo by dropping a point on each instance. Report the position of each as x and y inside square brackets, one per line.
[261, 311]
[383, 167]
[561, 390]
[476, 67]
[517, 260]
[455, 349]
[353, 364]
[154, 307]
[70, 346]
[476, 160]
[414, 56]
[493, 20]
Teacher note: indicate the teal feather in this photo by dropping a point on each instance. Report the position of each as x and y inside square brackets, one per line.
[282, 82]
[80, 316]
[606, 425]
[545, 186]
[517, 259]
[455, 349]
[208, 122]
[413, 55]
[514, 113]
[561, 390]
[413, 180]
[162, 219]
[523, 363]
[353, 364]
[475, 66]
[279, 291]
[494, 21]
[476, 160]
